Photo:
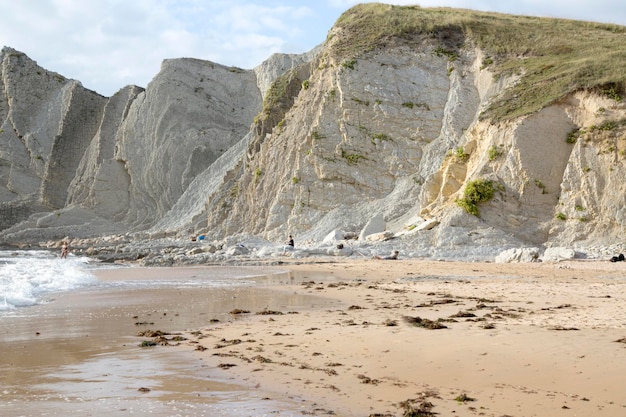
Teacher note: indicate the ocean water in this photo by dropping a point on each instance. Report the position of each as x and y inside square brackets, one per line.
[28, 277]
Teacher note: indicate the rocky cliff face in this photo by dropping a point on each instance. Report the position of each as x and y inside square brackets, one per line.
[120, 163]
[398, 132]
[47, 123]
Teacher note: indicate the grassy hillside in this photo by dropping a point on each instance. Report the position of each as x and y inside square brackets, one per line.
[555, 56]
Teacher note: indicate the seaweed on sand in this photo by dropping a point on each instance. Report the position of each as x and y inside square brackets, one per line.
[424, 323]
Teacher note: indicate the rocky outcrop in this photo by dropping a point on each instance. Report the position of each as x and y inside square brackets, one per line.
[367, 137]
[398, 131]
[128, 159]
[278, 64]
[101, 182]
[392, 136]
[47, 122]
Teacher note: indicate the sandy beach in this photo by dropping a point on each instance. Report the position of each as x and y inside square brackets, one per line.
[79, 353]
[515, 340]
[351, 338]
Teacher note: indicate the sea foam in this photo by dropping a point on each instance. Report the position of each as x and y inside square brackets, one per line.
[26, 277]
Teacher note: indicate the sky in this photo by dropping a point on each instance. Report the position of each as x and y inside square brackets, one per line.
[108, 44]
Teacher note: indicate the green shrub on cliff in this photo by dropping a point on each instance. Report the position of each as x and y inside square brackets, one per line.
[278, 101]
[477, 191]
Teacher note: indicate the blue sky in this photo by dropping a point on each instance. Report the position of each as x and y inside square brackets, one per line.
[107, 44]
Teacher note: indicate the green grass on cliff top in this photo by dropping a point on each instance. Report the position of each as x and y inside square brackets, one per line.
[555, 56]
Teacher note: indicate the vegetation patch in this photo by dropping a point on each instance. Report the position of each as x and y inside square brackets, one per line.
[477, 191]
[452, 55]
[352, 158]
[551, 57]
[381, 137]
[417, 408]
[463, 398]
[540, 185]
[348, 64]
[611, 91]
[460, 154]
[359, 101]
[573, 136]
[494, 153]
[278, 100]
[317, 136]
[257, 174]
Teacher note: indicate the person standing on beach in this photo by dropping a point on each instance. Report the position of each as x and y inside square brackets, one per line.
[289, 245]
[65, 249]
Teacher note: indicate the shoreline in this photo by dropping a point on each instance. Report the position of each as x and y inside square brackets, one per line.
[519, 340]
[79, 353]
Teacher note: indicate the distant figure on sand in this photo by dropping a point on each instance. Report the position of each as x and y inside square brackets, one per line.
[289, 245]
[394, 255]
[65, 249]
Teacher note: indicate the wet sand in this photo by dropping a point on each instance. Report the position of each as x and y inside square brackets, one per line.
[79, 354]
[345, 338]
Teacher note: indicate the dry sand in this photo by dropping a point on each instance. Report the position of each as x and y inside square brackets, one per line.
[519, 340]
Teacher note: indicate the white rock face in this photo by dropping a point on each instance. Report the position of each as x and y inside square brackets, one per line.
[127, 159]
[375, 225]
[101, 182]
[558, 254]
[378, 138]
[278, 64]
[334, 236]
[191, 113]
[518, 255]
[47, 122]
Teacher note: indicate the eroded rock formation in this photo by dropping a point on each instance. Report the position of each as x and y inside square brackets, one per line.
[310, 144]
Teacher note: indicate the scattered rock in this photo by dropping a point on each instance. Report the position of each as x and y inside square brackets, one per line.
[374, 226]
[558, 254]
[518, 255]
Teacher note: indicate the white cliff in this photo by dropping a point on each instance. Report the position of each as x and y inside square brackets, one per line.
[313, 145]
